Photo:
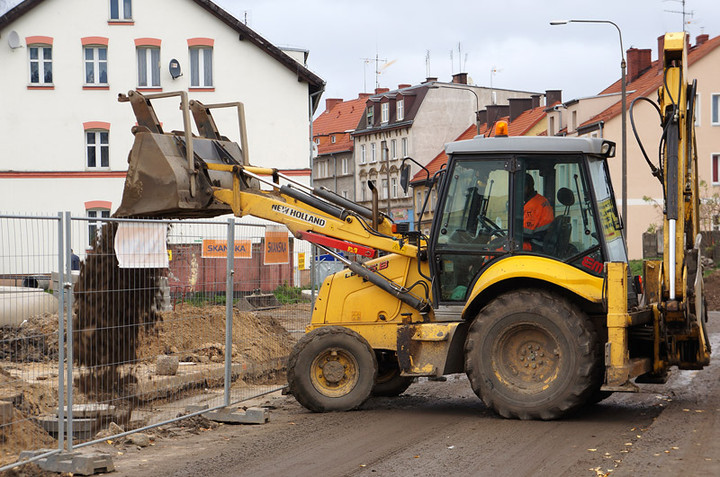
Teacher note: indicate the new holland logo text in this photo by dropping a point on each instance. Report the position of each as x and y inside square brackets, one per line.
[297, 214]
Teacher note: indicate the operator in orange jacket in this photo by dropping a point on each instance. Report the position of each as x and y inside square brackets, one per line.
[537, 212]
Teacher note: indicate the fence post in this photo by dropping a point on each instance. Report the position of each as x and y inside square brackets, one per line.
[67, 288]
[61, 334]
[229, 295]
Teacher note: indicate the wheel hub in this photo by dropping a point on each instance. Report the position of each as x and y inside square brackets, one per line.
[527, 357]
[333, 371]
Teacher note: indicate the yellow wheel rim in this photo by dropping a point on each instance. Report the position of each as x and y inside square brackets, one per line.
[334, 372]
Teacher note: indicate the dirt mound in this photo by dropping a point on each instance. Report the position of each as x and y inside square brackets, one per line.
[197, 333]
[712, 291]
[35, 340]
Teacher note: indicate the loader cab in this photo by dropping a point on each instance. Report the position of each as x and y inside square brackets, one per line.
[507, 197]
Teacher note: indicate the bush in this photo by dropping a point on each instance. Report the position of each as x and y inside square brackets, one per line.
[287, 295]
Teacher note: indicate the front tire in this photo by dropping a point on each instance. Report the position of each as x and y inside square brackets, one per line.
[331, 369]
[531, 354]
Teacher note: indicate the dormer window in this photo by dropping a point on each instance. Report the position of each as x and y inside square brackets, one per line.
[385, 112]
[370, 116]
[400, 109]
[332, 139]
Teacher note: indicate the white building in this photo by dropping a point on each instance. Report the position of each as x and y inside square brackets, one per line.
[64, 138]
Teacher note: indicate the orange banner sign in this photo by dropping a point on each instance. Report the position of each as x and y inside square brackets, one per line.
[218, 248]
[277, 248]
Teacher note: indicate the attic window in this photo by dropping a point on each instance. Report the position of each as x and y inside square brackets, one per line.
[400, 109]
[370, 116]
[120, 10]
[384, 112]
[332, 139]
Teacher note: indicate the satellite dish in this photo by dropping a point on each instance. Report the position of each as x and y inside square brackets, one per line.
[14, 40]
[175, 71]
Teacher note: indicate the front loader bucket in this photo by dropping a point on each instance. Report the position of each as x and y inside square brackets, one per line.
[168, 176]
[159, 183]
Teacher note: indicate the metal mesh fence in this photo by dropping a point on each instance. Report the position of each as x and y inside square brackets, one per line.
[163, 315]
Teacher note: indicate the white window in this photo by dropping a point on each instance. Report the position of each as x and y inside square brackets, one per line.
[363, 188]
[345, 194]
[393, 149]
[404, 147]
[400, 110]
[40, 65]
[370, 116]
[715, 109]
[384, 150]
[148, 67]
[120, 9]
[715, 160]
[201, 67]
[362, 154]
[94, 226]
[384, 189]
[385, 112]
[97, 149]
[332, 139]
[373, 152]
[322, 169]
[96, 65]
[418, 201]
[344, 165]
[697, 109]
[393, 183]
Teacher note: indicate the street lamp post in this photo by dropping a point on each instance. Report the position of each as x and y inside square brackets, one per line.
[624, 109]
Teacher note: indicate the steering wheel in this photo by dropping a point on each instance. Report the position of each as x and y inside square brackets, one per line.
[491, 228]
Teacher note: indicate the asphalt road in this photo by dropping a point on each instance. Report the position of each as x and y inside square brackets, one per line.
[442, 428]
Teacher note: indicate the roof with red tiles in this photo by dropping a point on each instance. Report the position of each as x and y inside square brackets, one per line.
[337, 122]
[648, 82]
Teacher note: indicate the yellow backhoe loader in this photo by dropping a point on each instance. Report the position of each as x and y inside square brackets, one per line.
[542, 317]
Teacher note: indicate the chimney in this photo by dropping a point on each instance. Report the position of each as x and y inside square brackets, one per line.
[482, 116]
[460, 78]
[430, 79]
[381, 90]
[700, 39]
[661, 47]
[553, 96]
[364, 95]
[519, 106]
[404, 85]
[331, 103]
[638, 61]
[535, 100]
[496, 111]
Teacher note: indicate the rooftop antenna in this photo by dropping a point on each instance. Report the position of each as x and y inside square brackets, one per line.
[494, 70]
[683, 12]
[427, 63]
[452, 63]
[378, 70]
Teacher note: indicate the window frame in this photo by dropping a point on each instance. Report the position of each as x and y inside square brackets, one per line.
[96, 63]
[373, 153]
[715, 168]
[715, 109]
[400, 109]
[344, 166]
[94, 226]
[370, 116]
[363, 154]
[393, 149]
[149, 70]
[98, 147]
[384, 112]
[199, 54]
[121, 6]
[41, 65]
[404, 145]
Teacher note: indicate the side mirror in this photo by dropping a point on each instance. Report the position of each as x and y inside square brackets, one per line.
[405, 177]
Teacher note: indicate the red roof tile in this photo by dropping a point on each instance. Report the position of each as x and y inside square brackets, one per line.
[337, 122]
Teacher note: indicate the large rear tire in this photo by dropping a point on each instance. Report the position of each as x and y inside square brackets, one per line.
[531, 354]
[389, 382]
[331, 369]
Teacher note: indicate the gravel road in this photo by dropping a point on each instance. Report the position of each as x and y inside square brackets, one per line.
[442, 428]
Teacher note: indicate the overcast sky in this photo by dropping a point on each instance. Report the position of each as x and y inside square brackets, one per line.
[512, 37]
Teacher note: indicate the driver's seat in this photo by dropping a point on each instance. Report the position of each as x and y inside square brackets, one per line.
[557, 237]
